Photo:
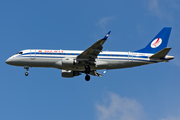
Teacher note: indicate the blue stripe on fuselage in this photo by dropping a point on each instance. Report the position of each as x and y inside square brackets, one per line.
[100, 56]
[111, 55]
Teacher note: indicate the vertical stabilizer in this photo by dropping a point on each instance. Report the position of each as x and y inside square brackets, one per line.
[158, 43]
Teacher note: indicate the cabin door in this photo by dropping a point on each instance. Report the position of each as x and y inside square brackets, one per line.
[130, 56]
[32, 54]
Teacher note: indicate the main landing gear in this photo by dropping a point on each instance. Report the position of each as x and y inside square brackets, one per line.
[27, 70]
[87, 78]
[87, 71]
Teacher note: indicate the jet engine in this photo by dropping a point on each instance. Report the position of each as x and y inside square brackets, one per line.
[69, 73]
[69, 61]
[66, 62]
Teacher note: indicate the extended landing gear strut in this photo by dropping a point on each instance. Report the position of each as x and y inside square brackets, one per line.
[87, 71]
[27, 70]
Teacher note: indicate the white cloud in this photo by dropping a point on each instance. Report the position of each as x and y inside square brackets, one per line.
[171, 118]
[154, 7]
[158, 9]
[163, 9]
[115, 107]
[104, 21]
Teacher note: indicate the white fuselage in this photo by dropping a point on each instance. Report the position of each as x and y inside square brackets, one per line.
[66, 59]
[73, 63]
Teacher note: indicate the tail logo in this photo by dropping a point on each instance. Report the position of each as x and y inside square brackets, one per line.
[156, 43]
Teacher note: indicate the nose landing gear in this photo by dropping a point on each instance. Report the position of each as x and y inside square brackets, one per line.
[27, 70]
[26, 73]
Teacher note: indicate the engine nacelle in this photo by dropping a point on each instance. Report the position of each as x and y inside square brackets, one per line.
[65, 62]
[69, 73]
[68, 61]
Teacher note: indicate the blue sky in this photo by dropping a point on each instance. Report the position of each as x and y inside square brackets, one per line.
[140, 93]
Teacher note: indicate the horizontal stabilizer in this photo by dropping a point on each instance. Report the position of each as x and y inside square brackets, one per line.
[161, 54]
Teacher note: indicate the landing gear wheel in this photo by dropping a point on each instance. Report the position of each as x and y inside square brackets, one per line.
[87, 78]
[27, 70]
[26, 73]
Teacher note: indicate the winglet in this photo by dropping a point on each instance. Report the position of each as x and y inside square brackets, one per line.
[107, 35]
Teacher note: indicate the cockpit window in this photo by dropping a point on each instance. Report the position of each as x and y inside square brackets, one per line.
[20, 53]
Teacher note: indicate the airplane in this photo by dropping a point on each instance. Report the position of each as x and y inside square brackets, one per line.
[74, 63]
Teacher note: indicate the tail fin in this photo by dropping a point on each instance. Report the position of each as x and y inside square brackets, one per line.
[158, 43]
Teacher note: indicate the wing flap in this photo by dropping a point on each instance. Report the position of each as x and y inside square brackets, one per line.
[95, 73]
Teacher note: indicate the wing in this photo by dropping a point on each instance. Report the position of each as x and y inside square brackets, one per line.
[92, 52]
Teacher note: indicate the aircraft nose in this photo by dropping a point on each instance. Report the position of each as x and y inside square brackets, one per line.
[8, 61]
